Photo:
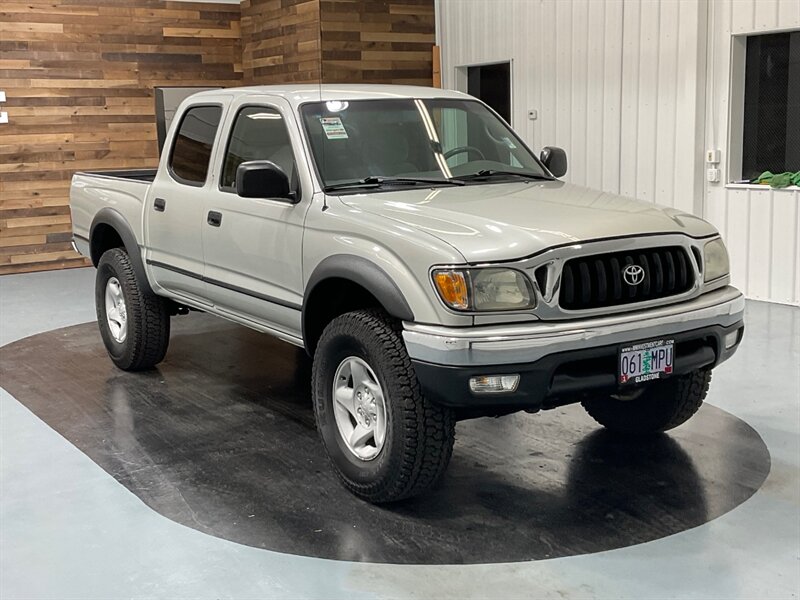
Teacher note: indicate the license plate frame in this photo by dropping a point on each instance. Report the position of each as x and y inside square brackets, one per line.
[645, 361]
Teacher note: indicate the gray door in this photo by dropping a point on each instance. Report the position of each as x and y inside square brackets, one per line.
[176, 212]
[253, 254]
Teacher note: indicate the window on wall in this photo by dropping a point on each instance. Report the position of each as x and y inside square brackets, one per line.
[771, 124]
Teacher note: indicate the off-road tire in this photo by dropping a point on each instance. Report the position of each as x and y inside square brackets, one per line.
[420, 434]
[662, 405]
[147, 316]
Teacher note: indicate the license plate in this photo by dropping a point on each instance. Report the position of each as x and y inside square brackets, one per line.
[646, 361]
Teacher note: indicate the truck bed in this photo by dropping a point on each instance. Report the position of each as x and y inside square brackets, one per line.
[122, 191]
[143, 175]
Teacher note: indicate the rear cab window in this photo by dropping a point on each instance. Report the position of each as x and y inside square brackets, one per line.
[194, 141]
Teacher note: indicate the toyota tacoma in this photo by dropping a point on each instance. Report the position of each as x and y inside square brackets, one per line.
[433, 267]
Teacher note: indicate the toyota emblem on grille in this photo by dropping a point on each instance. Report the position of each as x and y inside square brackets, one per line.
[633, 274]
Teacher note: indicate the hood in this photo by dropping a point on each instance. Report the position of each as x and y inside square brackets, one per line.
[499, 222]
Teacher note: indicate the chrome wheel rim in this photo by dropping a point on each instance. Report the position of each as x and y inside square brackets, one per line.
[359, 408]
[116, 313]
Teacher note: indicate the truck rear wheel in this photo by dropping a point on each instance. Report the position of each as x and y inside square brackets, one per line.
[660, 406]
[385, 440]
[134, 324]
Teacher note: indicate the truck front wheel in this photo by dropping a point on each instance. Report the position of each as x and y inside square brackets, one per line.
[657, 407]
[385, 440]
[134, 324]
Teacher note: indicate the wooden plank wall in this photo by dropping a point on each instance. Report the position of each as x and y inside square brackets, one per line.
[377, 41]
[280, 41]
[79, 78]
[338, 41]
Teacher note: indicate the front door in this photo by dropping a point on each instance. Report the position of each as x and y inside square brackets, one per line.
[253, 246]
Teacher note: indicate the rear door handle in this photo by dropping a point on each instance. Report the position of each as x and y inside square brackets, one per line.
[160, 204]
[214, 218]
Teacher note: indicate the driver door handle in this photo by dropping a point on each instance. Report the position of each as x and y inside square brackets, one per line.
[214, 218]
[159, 204]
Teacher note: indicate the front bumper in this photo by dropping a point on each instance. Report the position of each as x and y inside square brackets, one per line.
[558, 360]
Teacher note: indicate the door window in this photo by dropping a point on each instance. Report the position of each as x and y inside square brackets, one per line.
[167, 101]
[191, 152]
[259, 133]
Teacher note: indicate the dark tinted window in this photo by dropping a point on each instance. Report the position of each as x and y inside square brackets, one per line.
[772, 104]
[259, 133]
[191, 151]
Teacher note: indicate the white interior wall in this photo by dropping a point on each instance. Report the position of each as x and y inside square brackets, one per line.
[761, 225]
[623, 87]
[607, 79]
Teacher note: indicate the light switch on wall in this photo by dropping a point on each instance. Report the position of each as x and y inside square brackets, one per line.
[2, 96]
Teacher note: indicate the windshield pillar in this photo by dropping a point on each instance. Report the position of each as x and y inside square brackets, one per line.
[436, 145]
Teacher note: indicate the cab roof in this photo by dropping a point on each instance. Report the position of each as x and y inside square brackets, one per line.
[298, 94]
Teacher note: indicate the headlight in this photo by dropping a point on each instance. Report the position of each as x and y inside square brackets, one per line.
[484, 289]
[715, 260]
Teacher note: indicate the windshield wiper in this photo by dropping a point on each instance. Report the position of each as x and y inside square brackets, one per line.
[486, 173]
[377, 181]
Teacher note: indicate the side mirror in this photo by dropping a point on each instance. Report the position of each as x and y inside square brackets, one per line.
[263, 179]
[555, 159]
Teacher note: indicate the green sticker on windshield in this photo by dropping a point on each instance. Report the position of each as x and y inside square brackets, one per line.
[333, 128]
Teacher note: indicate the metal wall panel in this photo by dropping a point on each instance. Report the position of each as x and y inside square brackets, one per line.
[761, 226]
[635, 91]
[604, 76]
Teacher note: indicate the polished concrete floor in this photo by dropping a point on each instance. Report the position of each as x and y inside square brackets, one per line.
[104, 492]
[221, 438]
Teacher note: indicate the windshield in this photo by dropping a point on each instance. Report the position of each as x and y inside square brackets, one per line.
[378, 142]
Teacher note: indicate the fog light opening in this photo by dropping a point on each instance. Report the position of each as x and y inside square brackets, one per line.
[494, 384]
[732, 339]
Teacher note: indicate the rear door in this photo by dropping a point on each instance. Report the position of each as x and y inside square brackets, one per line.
[253, 246]
[175, 209]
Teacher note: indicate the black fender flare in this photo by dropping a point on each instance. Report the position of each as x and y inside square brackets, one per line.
[366, 274]
[115, 220]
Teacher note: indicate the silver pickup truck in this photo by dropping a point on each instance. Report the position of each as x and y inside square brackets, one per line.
[431, 264]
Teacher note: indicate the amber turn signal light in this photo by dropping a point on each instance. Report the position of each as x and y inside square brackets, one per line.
[452, 287]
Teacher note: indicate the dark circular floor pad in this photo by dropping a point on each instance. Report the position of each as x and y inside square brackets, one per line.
[221, 438]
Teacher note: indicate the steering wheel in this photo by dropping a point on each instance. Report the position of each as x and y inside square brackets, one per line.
[461, 150]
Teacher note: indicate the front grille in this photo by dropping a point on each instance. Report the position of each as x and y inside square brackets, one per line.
[598, 281]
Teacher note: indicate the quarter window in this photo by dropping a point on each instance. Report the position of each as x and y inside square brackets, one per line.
[191, 152]
[259, 133]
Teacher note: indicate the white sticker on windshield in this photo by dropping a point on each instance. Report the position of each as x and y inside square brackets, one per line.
[333, 128]
[509, 143]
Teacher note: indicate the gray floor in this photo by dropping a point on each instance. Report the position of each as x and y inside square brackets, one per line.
[69, 530]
